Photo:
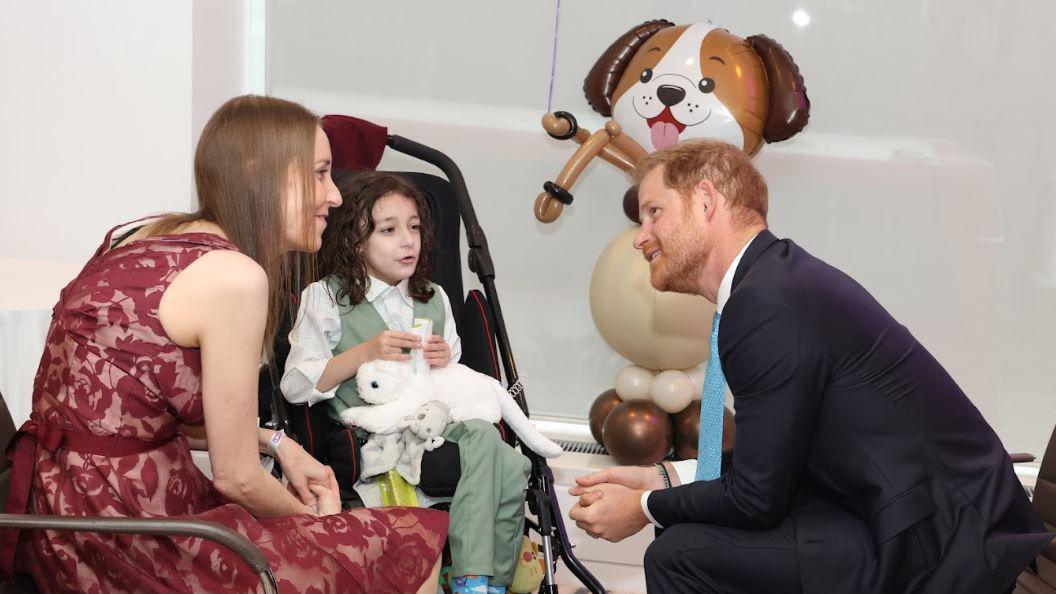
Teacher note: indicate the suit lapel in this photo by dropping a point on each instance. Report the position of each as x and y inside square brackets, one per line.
[755, 249]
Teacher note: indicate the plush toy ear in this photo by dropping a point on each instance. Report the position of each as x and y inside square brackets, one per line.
[789, 105]
[602, 79]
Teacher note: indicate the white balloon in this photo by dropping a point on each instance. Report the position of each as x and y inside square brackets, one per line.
[696, 375]
[672, 390]
[633, 383]
[654, 329]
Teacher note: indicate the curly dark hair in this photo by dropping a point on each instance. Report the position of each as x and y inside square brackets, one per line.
[351, 224]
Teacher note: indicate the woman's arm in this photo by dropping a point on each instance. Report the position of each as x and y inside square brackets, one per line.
[219, 303]
[197, 440]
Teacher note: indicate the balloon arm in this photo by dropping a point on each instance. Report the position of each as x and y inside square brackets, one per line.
[617, 157]
[562, 125]
[548, 204]
[632, 150]
[582, 157]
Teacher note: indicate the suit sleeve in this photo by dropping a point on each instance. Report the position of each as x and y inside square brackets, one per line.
[777, 369]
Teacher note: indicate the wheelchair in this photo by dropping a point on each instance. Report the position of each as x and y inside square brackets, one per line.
[358, 144]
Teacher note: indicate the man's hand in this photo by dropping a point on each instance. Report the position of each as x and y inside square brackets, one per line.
[609, 511]
[643, 478]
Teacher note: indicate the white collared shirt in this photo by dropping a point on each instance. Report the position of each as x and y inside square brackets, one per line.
[317, 331]
[687, 469]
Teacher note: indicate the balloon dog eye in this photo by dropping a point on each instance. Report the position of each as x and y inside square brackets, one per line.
[374, 385]
[646, 76]
[706, 85]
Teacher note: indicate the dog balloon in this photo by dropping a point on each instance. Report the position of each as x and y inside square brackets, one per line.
[660, 84]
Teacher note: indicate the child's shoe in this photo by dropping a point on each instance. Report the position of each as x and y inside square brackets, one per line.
[477, 584]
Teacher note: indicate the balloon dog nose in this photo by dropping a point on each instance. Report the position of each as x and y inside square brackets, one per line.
[670, 94]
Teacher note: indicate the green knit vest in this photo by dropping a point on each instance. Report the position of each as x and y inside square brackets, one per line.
[360, 323]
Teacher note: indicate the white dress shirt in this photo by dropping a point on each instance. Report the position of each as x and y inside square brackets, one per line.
[317, 331]
[687, 469]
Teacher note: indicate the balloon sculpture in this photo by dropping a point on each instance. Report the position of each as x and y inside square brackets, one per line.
[660, 84]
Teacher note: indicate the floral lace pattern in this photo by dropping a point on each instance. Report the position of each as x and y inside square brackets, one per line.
[109, 369]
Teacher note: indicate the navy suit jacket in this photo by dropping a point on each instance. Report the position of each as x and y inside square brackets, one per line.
[848, 425]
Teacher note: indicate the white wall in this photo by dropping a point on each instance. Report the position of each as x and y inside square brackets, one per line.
[927, 172]
[96, 120]
[227, 55]
[102, 104]
[100, 108]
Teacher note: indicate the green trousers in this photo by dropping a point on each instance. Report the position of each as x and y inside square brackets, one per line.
[487, 512]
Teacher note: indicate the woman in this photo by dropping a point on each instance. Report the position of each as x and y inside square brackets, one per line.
[164, 329]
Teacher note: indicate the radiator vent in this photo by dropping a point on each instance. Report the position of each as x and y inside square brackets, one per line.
[582, 447]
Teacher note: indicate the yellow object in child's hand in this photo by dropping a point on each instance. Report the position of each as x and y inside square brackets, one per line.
[423, 328]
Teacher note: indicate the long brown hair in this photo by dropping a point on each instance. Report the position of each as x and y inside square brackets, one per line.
[242, 170]
[351, 224]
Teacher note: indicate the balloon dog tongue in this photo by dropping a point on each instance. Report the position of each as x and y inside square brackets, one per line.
[664, 129]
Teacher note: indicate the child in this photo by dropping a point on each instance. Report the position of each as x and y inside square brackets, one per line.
[375, 259]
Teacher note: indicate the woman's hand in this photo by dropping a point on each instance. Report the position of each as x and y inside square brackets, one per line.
[328, 498]
[389, 345]
[437, 351]
[302, 471]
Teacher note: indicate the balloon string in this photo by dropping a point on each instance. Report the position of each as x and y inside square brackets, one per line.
[553, 58]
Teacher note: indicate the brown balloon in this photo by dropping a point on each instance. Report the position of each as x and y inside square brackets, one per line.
[789, 105]
[547, 208]
[630, 204]
[637, 432]
[599, 411]
[686, 426]
[603, 77]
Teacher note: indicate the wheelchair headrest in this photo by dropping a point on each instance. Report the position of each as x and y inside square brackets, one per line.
[354, 143]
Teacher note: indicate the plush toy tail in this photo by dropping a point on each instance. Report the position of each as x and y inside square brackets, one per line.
[536, 441]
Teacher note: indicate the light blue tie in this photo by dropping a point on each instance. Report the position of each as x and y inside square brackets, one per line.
[709, 444]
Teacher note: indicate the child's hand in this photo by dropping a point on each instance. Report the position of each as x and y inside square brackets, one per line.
[437, 351]
[389, 345]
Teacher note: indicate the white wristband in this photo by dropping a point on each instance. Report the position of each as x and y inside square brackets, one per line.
[273, 443]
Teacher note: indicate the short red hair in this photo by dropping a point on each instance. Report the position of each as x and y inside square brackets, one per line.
[727, 167]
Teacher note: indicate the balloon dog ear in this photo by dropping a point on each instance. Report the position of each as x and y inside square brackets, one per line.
[602, 79]
[789, 105]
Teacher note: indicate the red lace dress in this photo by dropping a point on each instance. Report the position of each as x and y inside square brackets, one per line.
[109, 370]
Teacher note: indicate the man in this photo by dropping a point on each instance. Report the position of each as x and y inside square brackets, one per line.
[860, 467]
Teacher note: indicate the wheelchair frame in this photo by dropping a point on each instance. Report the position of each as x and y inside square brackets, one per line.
[541, 497]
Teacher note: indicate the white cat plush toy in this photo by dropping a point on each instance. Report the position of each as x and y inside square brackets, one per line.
[394, 391]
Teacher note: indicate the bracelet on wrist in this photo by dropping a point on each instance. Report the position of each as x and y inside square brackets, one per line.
[273, 443]
[662, 471]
